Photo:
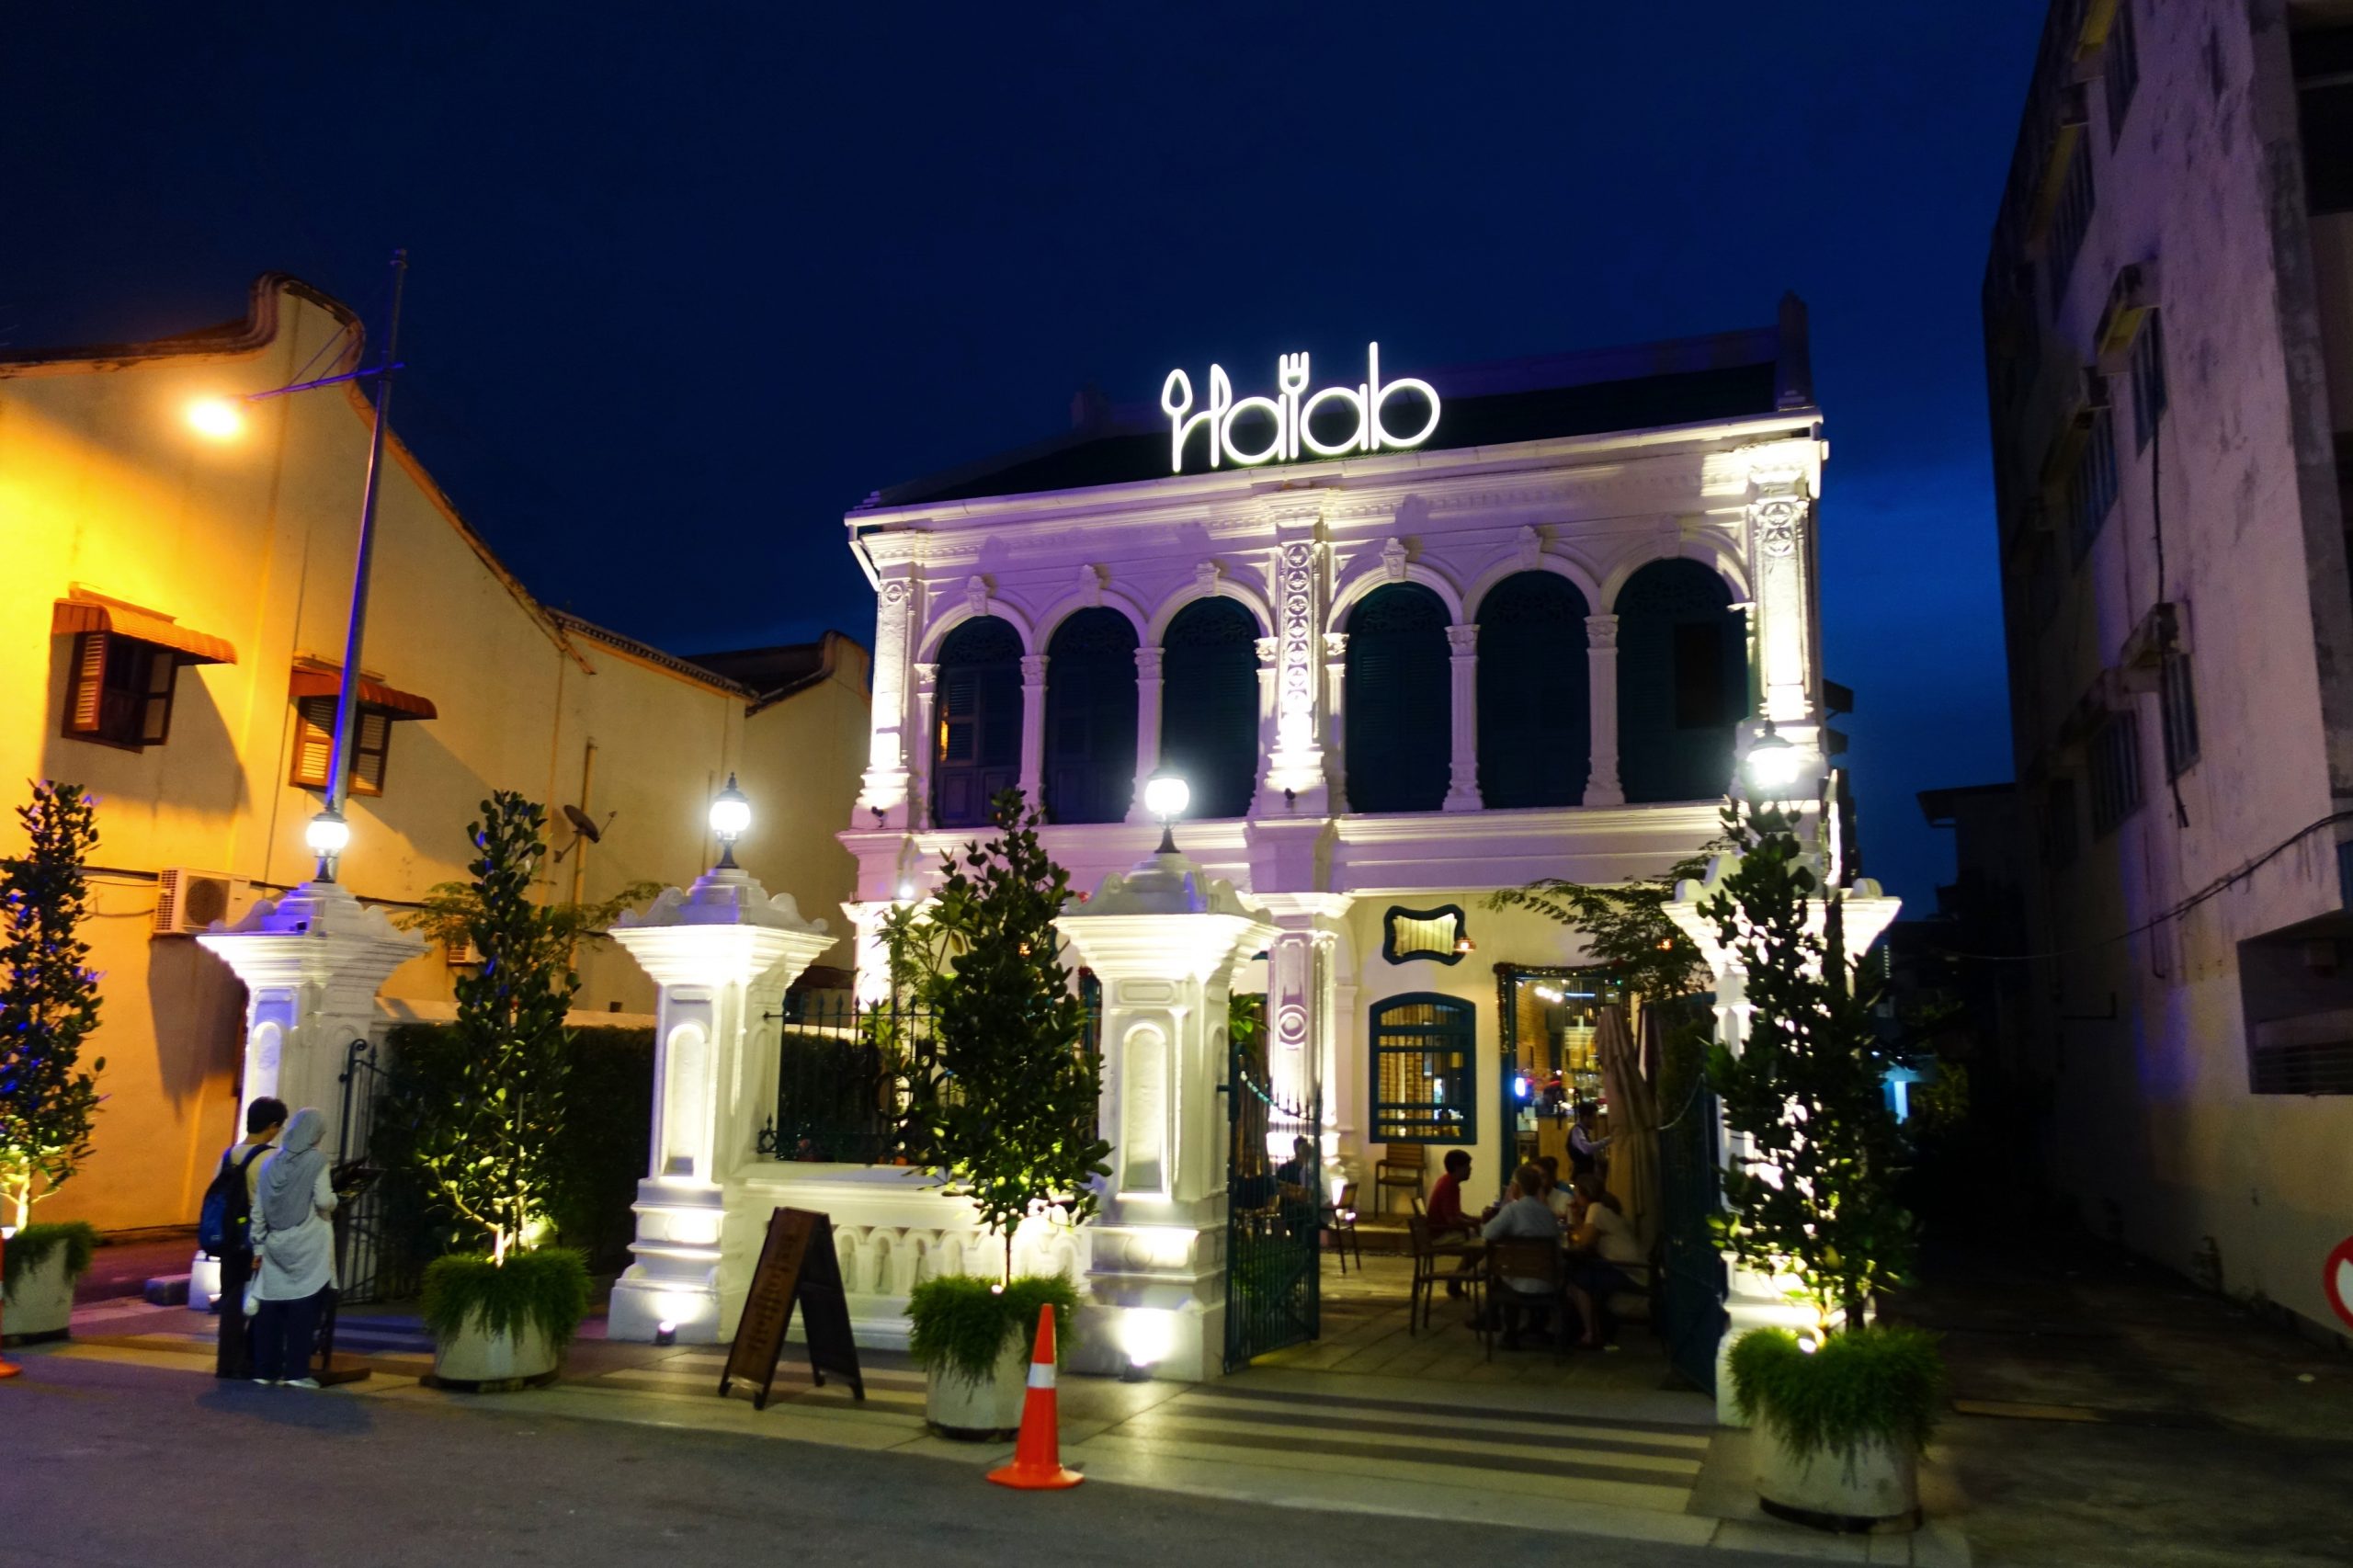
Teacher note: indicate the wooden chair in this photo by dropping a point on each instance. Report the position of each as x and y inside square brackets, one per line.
[1525, 1258]
[1435, 1264]
[1340, 1218]
[1400, 1165]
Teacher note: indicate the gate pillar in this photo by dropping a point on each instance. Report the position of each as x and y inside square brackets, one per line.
[1163, 939]
[722, 953]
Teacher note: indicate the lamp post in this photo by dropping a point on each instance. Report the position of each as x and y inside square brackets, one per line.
[731, 813]
[1166, 796]
[1771, 765]
[219, 419]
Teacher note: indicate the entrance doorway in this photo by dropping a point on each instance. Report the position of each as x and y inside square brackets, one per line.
[1548, 1016]
[1274, 1189]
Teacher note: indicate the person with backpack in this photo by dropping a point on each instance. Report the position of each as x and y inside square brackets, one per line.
[224, 1228]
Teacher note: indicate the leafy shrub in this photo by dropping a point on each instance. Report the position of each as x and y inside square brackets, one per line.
[1885, 1383]
[30, 1248]
[959, 1320]
[547, 1287]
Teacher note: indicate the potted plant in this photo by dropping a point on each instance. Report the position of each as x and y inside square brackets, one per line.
[489, 1149]
[973, 1338]
[1842, 1407]
[48, 1004]
[1004, 1096]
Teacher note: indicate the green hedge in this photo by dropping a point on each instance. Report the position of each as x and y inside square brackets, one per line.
[959, 1320]
[1876, 1383]
[30, 1247]
[600, 1153]
[547, 1286]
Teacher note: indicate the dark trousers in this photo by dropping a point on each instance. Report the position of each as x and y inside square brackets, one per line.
[235, 1358]
[284, 1334]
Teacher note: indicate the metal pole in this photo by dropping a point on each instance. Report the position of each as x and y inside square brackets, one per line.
[347, 696]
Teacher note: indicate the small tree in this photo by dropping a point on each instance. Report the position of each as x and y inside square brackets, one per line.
[1005, 1095]
[491, 1152]
[1625, 925]
[1817, 1204]
[49, 1001]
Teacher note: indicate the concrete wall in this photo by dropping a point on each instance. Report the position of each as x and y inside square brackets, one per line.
[104, 486]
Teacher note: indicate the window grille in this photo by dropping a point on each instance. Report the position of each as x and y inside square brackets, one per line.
[1535, 729]
[1209, 705]
[2116, 772]
[1682, 659]
[2148, 379]
[2091, 487]
[977, 750]
[1090, 763]
[314, 745]
[2179, 700]
[120, 691]
[2119, 70]
[1424, 1080]
[2070, 218]
[1399, 707]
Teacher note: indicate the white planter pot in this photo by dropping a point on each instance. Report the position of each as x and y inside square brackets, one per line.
[978, 1409]
[473, 1355]
[1878, 1481]
[40, 1304]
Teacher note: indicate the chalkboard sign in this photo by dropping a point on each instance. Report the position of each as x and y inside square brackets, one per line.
[797, 1264]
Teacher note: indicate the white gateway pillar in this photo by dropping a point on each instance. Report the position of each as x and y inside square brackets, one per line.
[1164, 940]
[722, 952]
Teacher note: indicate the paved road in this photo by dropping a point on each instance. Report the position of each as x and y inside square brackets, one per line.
[106, 1464]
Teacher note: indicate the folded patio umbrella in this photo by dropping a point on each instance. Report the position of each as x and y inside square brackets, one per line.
[1633, 1121]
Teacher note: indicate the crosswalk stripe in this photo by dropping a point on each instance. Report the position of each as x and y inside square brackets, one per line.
[1441, 1420]
[1447, 1449]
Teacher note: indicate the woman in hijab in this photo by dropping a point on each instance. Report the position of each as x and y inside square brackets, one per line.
[295, 1241]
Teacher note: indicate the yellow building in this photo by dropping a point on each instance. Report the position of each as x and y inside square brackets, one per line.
[171, 616]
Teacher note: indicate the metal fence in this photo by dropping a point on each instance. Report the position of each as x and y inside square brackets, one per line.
[842, 1087]
[380, 1231]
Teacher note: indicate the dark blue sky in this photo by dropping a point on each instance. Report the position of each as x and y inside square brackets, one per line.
[690, 280]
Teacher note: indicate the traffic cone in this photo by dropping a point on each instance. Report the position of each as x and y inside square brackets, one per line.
[1037, 1454]
[7, 1368]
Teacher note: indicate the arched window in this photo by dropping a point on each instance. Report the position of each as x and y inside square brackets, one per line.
[1399, 700]
[978, 750]
[1091, 717]
[1209, 705]
[1425, 1070]
[1535, 726]
[1682, 682]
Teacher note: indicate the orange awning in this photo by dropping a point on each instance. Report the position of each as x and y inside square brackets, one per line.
[395, 702]
[143, 625]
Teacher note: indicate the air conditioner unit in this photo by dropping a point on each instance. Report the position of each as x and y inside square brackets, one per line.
[462, 953]
[2130, 297]
[187, 902]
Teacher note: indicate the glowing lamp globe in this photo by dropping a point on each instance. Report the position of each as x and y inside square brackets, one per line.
[327, 834]
[1772, 766]
[216, 419]
[1166, 795]
[731, 813]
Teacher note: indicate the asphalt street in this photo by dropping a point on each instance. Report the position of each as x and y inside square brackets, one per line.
[109, 1464]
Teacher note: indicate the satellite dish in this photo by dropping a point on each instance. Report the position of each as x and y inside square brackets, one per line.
[583, 824]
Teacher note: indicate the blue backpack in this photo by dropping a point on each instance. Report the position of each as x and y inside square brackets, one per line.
[227, 1212]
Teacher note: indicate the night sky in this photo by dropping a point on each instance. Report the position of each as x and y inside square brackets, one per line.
[690, 280]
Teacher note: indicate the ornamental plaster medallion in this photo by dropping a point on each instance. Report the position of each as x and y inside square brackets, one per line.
[1776, 520]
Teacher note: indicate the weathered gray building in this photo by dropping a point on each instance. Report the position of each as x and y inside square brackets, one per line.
[2169, 335]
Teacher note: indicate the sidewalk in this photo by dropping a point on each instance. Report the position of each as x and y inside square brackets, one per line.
[1594, 1447]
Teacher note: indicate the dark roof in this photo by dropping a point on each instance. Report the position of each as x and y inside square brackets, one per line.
[776, 673]
[1684, 382]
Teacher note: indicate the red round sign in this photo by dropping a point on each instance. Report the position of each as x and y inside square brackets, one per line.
[2336, 1279]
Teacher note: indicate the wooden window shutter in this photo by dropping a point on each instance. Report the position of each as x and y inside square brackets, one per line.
[155, 708]
[373, 743]
[314, 741]
[83, 702]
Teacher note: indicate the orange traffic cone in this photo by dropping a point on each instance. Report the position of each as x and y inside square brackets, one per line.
[7, 1368]
[1037, 1454]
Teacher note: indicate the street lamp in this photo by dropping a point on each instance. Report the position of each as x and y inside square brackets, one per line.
[216, 419]
[731, 813]
[1771, 765]
[1166, 796]
[326, 834]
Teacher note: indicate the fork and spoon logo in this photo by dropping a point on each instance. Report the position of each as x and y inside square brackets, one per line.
[1292, 414]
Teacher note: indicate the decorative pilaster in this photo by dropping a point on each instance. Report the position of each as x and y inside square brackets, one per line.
[722, 953]
[1147, 725]
[1782, 482]
[1164, 940]
[884, 785]
[1300, 967]
[1462, 788]
[1335, 733]
[921, 747]
[312, 963]
[1294, 759]
[1269, 649]
[1601, 786]
[1033, 726]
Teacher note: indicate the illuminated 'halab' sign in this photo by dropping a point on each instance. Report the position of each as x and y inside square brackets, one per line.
[1330, 423]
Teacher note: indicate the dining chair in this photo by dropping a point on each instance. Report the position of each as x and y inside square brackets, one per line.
[1400, 1165]
[1340, 1218]
[1521, 1257]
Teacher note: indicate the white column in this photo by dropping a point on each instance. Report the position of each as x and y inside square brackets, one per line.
[1164, 940]
[1268, 649]
[1033, 727]
[1335, 733]
[312, 963]
[884, 785]
[1294, 761]
[1301, 978]
[1755, 1299]
[1601, 786]
[1783, 478]
[1147, 726]
[722, 953]
[922, 743]
[1463, 789]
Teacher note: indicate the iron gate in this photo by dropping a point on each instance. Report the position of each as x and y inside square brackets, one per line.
[1274, 1186]
[380, 1229]
[1690, 1164]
